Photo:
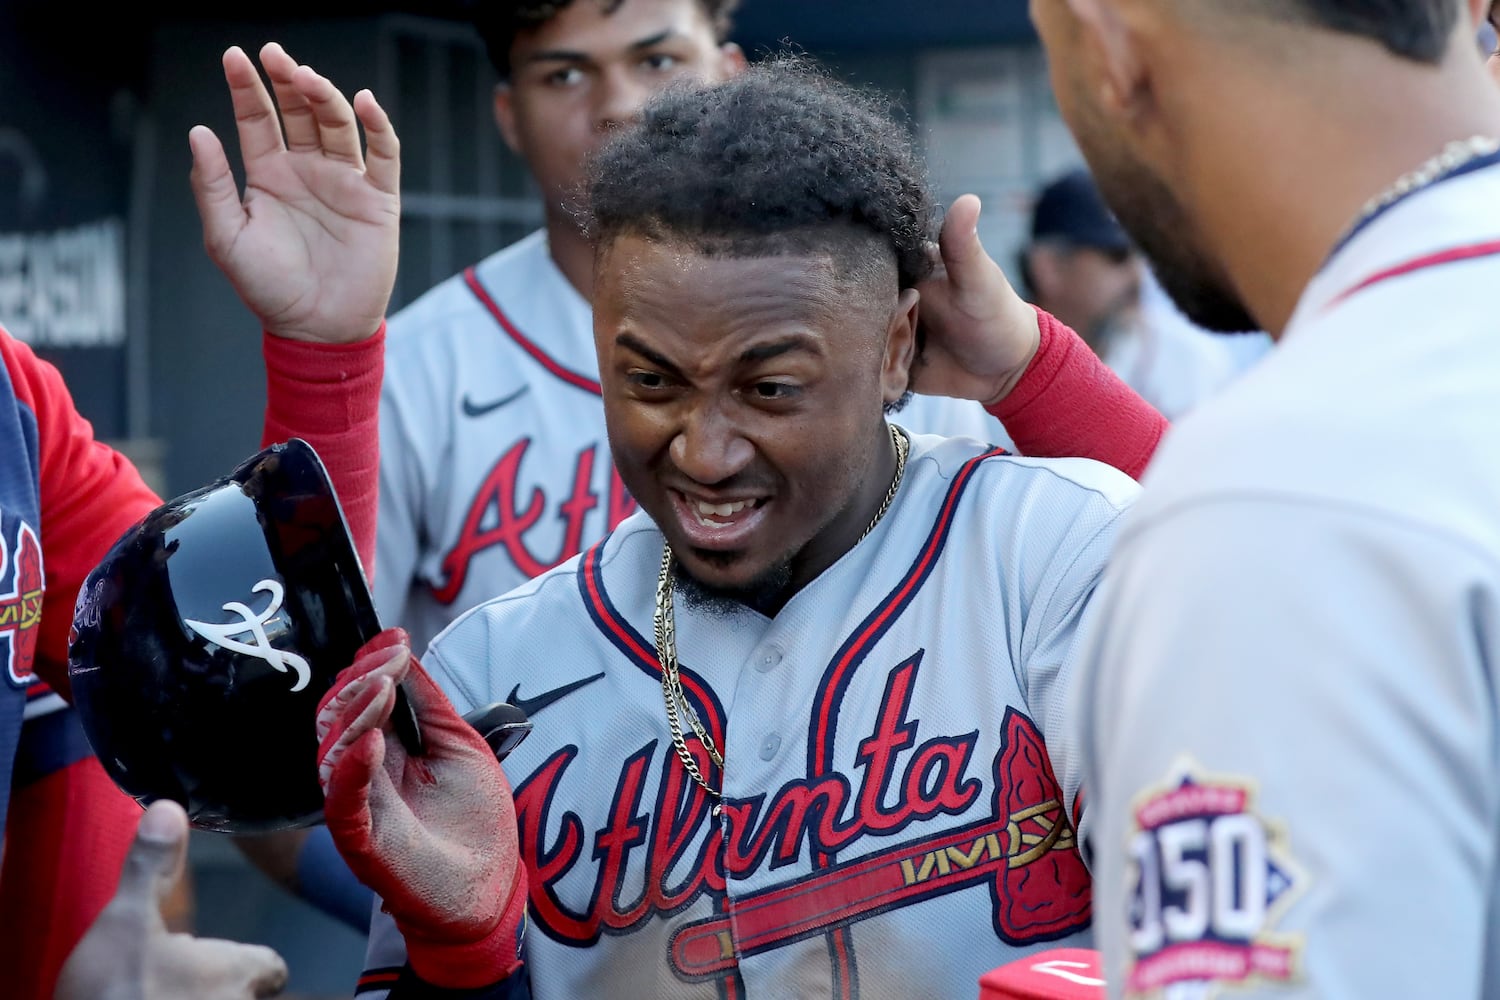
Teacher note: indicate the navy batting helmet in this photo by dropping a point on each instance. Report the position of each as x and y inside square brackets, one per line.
[204, 640]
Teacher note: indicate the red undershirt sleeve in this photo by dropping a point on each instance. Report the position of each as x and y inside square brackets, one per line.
[329, 395]
[1069, 404]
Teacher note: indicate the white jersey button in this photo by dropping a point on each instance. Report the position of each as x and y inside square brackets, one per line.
[768, 660]
[769, 746]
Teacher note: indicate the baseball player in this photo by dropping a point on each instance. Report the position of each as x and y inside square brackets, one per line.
[317, 217]
[1294, 777]
[807, 736]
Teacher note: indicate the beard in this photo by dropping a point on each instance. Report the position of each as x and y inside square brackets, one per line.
[1166, 235]
[764, 593]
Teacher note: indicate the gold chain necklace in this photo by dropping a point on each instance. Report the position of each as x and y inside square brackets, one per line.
[664, 623]
[1454, 155]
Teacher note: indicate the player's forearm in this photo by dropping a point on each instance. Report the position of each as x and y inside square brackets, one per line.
[1069, 404]
[329, 395]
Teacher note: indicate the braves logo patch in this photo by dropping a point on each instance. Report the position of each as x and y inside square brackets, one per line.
[22, 584]
[1210, 879]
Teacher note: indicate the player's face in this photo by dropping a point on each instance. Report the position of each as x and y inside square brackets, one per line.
[587, 71]
[1145, 205]
[745, 404]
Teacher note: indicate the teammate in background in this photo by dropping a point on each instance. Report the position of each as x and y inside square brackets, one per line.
[1081, 267]
[1297, 639]
[874, 626]
[311, 250]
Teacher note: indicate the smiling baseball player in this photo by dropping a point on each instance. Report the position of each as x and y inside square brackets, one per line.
[495, 465]
[806, 737]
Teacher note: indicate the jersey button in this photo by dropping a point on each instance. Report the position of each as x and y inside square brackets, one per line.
[769, 746]
[768, 660]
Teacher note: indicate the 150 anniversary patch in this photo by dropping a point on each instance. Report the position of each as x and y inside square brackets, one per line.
[1209, 880]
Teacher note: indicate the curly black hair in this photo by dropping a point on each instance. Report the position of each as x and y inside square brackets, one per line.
[500, 21]
[782, 158]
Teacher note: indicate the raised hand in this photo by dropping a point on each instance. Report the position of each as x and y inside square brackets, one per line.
[312, 246]
[128, 954]
[979, 334]
[435, 836]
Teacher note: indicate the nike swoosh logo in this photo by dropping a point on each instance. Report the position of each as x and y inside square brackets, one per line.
[473, 409]
[531, 706]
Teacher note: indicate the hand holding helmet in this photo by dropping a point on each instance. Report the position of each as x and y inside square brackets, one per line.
[435, 835]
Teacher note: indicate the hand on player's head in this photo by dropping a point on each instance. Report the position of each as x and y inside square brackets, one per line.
[311, 247]
[978, 335]
[129, 954]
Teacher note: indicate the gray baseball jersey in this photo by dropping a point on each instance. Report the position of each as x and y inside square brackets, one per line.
[899, 757]
[1295, 784]
[494, 463]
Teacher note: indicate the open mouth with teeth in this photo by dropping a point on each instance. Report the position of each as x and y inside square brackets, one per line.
[713, 515]
[727, 525]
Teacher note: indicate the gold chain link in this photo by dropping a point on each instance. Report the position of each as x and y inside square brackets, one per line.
[664, 624]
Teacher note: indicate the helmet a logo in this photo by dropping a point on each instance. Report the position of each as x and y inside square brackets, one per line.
[253, 627]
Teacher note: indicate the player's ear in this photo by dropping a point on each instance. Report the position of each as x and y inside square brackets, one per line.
[732, 61]
[900, 346]
[505, 116]
[1109, 47]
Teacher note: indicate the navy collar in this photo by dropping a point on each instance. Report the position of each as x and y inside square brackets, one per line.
[1469, 167]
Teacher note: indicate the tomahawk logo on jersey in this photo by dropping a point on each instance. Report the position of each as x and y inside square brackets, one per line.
[898, 761]
[22, 584]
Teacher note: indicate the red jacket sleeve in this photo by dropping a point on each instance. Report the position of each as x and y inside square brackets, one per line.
[1069, 404]
[89, 495]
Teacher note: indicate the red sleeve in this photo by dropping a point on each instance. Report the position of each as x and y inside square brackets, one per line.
[90, 494]
[1069, 404]
[329, 396]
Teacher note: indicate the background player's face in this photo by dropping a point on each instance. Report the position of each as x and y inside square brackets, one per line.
[744, 398]
[1143, 202]
[586, 71]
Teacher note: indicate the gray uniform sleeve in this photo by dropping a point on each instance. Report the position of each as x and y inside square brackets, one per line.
[1292, 777]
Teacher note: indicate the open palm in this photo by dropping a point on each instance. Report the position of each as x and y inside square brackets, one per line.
[312, 246]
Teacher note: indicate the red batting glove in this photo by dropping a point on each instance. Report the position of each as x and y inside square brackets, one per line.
[434, 836]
